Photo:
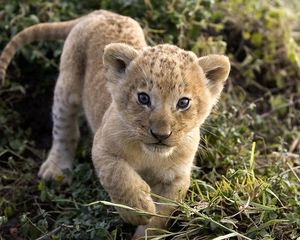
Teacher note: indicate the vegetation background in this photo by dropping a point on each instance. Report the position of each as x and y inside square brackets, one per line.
[246, 183]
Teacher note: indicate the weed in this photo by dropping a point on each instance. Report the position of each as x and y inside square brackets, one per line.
[246, 179]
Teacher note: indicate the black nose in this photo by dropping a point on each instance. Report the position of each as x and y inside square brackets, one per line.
[160, 136]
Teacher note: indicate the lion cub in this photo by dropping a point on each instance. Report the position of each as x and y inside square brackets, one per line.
[144, 104]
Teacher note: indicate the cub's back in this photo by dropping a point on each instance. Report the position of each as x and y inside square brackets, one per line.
[87, 40]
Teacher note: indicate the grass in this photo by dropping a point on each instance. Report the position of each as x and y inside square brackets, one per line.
[246, 180]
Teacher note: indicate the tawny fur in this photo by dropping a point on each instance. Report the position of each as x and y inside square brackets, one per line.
[105, 64]
[38, 32]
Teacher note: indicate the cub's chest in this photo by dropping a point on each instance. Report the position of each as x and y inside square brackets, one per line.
[155, 168]
[157, 175]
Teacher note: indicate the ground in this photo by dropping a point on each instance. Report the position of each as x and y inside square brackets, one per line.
[246, 182]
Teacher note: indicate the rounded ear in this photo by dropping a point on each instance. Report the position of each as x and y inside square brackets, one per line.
[216, 69]
[116, 58]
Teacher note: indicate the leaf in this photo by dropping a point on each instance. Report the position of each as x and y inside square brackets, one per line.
[256, 39]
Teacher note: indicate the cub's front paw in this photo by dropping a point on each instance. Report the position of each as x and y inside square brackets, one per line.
[140, 201]
[152, 230]
[55, 168]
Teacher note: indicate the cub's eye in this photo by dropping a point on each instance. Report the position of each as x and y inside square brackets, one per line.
[144, 98]
[183, 103]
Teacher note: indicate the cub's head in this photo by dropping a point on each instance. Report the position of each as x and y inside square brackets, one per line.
[163, 93]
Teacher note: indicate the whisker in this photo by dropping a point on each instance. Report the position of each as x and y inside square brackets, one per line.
[205, 130]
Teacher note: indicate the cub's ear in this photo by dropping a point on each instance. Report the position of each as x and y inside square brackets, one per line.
[116, 58]
[216, 69]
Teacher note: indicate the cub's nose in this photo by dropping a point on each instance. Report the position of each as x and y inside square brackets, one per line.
[160, 136]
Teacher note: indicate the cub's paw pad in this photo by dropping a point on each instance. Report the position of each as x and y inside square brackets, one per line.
[139, 233]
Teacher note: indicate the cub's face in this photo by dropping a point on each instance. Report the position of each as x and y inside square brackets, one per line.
[163, 93]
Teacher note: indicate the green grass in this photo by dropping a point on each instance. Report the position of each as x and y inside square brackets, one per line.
[246, 180]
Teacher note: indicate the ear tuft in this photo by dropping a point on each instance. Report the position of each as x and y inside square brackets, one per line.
[120, 65]
[116, 58]
[216, 69]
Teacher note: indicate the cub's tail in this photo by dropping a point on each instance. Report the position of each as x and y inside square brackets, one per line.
[38, 32]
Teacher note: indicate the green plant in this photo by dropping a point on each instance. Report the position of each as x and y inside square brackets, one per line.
[237, 191]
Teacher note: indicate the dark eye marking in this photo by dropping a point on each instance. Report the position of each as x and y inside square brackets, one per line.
[144, 99]
[183, 103]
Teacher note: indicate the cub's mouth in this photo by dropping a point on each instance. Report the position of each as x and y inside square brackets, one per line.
[158, 147]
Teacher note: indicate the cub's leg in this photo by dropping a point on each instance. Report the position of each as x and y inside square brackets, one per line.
[67, 99]
[123, 184]
[65, 133]
[175, 190]
[126, 187]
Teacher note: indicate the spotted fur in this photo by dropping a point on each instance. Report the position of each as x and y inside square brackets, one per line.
[137, 148]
